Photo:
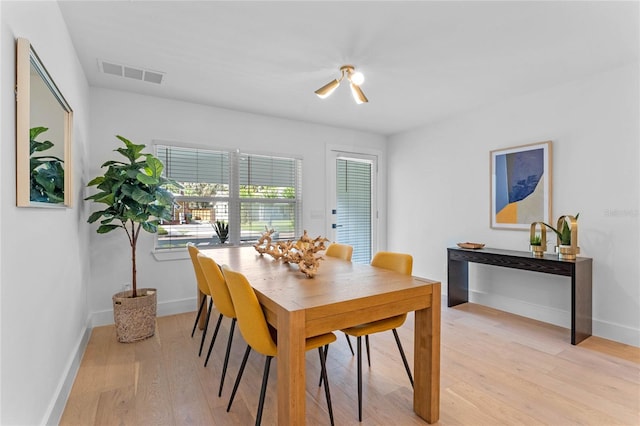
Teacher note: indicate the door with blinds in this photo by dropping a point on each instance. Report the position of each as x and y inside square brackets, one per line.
[353, 219]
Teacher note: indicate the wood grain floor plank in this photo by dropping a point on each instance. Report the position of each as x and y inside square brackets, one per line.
[497, 368]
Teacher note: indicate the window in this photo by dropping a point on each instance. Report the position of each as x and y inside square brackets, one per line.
[248, 192]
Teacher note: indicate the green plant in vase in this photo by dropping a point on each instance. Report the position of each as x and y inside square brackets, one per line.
[134, 198]
[567, 240]
[536, 240]
[222, 230]
[564, 231]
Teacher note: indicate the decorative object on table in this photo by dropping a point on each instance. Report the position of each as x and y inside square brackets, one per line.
[41, 180]
[538, 239]
[265, 245]
[520, 186]
[222, 230]
[302, 252]
[469, 245]
[135, 199]
[567, 232]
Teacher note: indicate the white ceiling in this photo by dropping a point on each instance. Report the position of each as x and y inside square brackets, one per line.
[423, 60]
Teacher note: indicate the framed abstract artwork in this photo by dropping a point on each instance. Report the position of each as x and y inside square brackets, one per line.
[521, 186]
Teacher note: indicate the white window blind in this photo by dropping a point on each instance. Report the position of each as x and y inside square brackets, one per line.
[247, 192]
[269, 196]
[353, 182]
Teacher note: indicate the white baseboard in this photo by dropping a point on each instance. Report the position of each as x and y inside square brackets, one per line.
[171, 307]
[605, 329]
[59, 401]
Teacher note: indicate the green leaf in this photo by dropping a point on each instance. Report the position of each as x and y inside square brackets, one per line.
[147, 180]
[96, 181]
[103, 229]
[151, 226]
[35, 131]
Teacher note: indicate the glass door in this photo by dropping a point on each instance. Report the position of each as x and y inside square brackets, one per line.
[353, 215]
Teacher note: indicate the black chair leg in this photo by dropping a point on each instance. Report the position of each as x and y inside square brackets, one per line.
[359, 351]
[323, 368]
[195, 324]
[326, 351]
[349, 342]
[366, 340]
[263, 389]
[206, 326]
[226, 356]
[404, 358]
[235, 386]
[213, 339]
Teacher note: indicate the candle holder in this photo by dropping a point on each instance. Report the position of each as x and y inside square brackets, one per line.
[567, 233]
[538, 242]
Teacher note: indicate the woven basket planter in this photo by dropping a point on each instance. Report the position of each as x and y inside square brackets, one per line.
[135, 318]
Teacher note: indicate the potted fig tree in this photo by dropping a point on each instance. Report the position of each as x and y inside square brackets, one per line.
[134, 198]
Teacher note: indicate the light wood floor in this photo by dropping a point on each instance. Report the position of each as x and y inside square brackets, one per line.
[497, 368]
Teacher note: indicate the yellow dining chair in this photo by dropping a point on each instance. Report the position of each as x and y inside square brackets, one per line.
[344, 252]
[398, 262]
[203, 286]
[341, 251]
[255, 330]
[222, 301]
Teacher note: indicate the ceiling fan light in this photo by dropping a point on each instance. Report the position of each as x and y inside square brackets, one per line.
[327, 89]
[357, 78]
[358, 94]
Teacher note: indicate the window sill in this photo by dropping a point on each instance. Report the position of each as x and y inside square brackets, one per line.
[163, 255]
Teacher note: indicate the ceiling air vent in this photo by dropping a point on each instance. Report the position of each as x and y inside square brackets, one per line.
[109, 67]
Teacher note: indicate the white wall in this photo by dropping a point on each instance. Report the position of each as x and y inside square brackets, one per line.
[594, 125]
[143, 119]
[43, 271]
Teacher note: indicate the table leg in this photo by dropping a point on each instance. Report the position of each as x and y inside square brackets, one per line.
[426, 359]
[291, 368]
[457, 282]
[581, 300]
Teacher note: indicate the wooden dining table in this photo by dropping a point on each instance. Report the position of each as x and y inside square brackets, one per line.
[341, 295]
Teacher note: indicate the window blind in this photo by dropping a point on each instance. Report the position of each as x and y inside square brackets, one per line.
[353, 181]
[194, 165]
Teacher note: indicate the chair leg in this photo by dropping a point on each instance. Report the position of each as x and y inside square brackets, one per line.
[404, 358]
[195, 324]
[263, 389]
[326, 351]
[359, 351]
[349, 342]
[206, 326]
[226, 356]
[235, 386]
[366, 340]
[323, 368]
[213, 339]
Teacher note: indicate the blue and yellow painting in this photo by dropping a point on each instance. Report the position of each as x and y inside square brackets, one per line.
[519, 187]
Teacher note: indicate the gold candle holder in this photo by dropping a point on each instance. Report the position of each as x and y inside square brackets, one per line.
[568, 251]
[538, 249]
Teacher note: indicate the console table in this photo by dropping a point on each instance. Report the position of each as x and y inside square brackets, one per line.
[579, 270]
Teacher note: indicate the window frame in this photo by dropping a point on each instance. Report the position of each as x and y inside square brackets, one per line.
[234, 199]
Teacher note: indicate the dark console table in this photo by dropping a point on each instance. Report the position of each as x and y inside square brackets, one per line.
[579, 270]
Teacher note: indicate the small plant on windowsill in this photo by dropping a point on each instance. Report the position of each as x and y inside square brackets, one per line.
[222, 230]
[536, 240]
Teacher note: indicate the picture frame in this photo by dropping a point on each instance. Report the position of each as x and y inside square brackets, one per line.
[521, 183]
[44, 126]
